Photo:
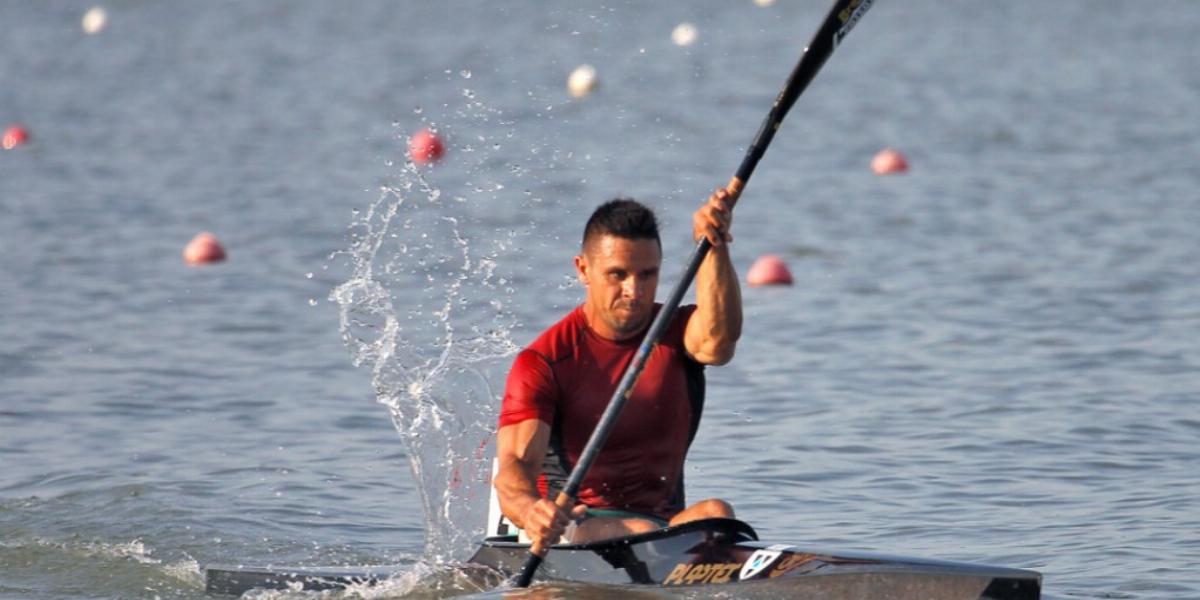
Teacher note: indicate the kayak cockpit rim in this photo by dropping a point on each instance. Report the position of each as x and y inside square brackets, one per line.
[737, 531]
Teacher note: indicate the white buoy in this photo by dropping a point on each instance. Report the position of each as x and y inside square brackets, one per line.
[582, 81]
[684, 34]
[94, 20]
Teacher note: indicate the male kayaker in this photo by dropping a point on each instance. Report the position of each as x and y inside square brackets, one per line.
[562, 382]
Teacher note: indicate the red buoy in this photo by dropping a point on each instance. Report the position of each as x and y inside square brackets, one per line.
[14, 136]
[889, 162]
[203, 249]
[425, 147]
[769, 270]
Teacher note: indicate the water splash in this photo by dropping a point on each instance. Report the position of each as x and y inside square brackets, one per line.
[426, 308]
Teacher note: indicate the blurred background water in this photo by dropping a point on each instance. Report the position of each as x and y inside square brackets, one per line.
[992, 358]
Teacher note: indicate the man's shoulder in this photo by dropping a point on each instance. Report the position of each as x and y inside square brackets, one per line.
[559, 340]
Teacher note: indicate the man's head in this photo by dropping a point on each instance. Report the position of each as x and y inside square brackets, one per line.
[619, 265]
[624, 218]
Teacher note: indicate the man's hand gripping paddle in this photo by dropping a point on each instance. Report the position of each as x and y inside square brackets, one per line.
[841, 18]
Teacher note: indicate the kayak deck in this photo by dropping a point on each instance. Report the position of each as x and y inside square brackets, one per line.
[713, 552]
[716, 552]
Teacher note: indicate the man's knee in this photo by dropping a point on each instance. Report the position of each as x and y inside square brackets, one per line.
[713, 508]
[601, 528]
[635, 526]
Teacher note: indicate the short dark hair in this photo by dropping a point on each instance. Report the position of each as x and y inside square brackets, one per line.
[624, 218]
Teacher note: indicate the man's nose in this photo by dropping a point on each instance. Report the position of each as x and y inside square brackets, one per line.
[630, 288]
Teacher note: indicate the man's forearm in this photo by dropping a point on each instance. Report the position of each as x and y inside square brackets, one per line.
[517, 492]
[719, 304]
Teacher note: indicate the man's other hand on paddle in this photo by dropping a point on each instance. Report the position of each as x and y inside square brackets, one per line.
[715, 218]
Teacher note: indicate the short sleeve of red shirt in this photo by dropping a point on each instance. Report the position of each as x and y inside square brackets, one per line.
[530, 392]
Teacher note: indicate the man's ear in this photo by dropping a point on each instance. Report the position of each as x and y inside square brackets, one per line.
[581, 269]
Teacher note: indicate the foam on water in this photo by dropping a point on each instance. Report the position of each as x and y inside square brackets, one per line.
[106, 568]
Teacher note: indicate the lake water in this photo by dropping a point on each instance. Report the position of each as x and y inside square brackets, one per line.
[991, 358]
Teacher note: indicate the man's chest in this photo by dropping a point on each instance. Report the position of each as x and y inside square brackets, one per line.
[587, 383]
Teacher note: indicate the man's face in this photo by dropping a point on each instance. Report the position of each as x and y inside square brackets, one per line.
[621, 277]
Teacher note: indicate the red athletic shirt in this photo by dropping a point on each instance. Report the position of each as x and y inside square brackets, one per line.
[565, 379]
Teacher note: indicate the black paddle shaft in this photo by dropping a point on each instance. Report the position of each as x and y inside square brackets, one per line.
[841, 18]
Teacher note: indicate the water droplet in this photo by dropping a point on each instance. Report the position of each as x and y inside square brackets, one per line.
[312, 301]
[466, 73]
[418, 110]
[308, 275]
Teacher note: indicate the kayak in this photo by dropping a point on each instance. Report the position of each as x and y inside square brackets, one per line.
[722, 555]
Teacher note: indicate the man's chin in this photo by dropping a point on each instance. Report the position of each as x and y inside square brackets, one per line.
[630, 325]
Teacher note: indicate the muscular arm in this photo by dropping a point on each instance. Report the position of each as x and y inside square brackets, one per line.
[713, 331]
[520, 449]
